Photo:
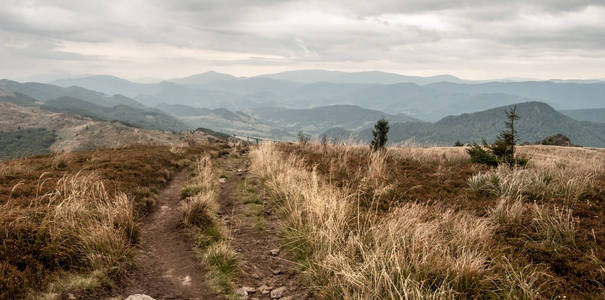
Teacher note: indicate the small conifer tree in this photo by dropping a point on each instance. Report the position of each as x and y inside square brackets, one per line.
[381, 129]
[502, 151]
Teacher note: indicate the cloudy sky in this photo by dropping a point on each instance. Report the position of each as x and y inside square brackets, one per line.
[142, 39]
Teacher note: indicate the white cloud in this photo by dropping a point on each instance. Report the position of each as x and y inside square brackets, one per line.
[469, 38]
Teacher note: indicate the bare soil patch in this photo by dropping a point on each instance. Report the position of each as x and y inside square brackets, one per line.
[166, 264]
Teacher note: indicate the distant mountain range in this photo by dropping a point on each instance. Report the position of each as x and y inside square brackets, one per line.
[44, 92]
[149, 118]
[424, 98]
[538, 120]
[81, 101]
[314, 101]
[370, 77]
[318, 119]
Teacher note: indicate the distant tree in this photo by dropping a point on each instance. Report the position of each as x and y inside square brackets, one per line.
[303, 139]
[324, 142]
[458, 144]
[381, 129]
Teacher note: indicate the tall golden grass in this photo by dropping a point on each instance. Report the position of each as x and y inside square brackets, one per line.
[553, 172]
[90, 225]
[81, 225]
[414, 251]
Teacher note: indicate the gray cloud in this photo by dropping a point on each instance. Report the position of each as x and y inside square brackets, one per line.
[469, 38]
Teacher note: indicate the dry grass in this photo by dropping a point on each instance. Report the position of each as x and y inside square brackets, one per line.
[412, 251]
[67, 221]
[543, 223]
[547, 181]
[84, 227]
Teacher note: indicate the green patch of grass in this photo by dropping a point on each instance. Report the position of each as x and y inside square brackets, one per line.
[253, 205]
[223, 266]
[208, 236]
[191, 190]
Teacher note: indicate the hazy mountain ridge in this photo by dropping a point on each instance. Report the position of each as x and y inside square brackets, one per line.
[596, 115]
[44, 92]
[85, 102]
[432, 101]
[149, 119]
[318, 119]
[366, 77]
[538, 120]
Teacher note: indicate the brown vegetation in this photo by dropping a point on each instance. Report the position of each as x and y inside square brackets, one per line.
[426, 222]
[68, 221]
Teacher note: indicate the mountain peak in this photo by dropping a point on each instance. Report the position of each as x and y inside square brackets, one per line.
[204, 78]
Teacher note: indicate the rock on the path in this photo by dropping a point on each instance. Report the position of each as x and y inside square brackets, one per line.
[241, 292]
[278, 292]
[139, 297]
[222, 180]
[245, 291]
[264, 289]
[274, 252]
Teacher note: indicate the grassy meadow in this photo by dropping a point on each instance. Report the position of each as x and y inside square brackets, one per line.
[424, 223]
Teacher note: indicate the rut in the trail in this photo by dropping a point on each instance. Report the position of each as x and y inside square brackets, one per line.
[166, 266]
[260, 269]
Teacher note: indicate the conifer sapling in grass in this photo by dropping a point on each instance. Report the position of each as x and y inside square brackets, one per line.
[502, 151]
[381, 129]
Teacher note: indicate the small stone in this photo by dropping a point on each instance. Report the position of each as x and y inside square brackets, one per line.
[276, 272]
[278, 292]
[274, 252]
[71, 296]
[249, 290]
[255, 276]
[264, 289]
[222, 180]
[139, 297]
[241, 292]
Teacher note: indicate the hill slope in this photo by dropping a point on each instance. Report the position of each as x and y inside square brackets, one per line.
[538, 120]
[45, 92]
[149, 119]
[72, 132]
[17, 98]
[596, 115]
[224, 120]
[318, 119]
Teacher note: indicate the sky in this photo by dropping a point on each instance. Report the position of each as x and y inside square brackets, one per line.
[159, 39]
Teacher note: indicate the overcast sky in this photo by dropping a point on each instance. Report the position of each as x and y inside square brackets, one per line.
[137, 39]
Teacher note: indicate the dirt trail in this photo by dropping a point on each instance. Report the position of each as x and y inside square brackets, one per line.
[166, 266]
[255, 231]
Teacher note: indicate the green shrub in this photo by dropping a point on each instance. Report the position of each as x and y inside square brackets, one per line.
[482, 155]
